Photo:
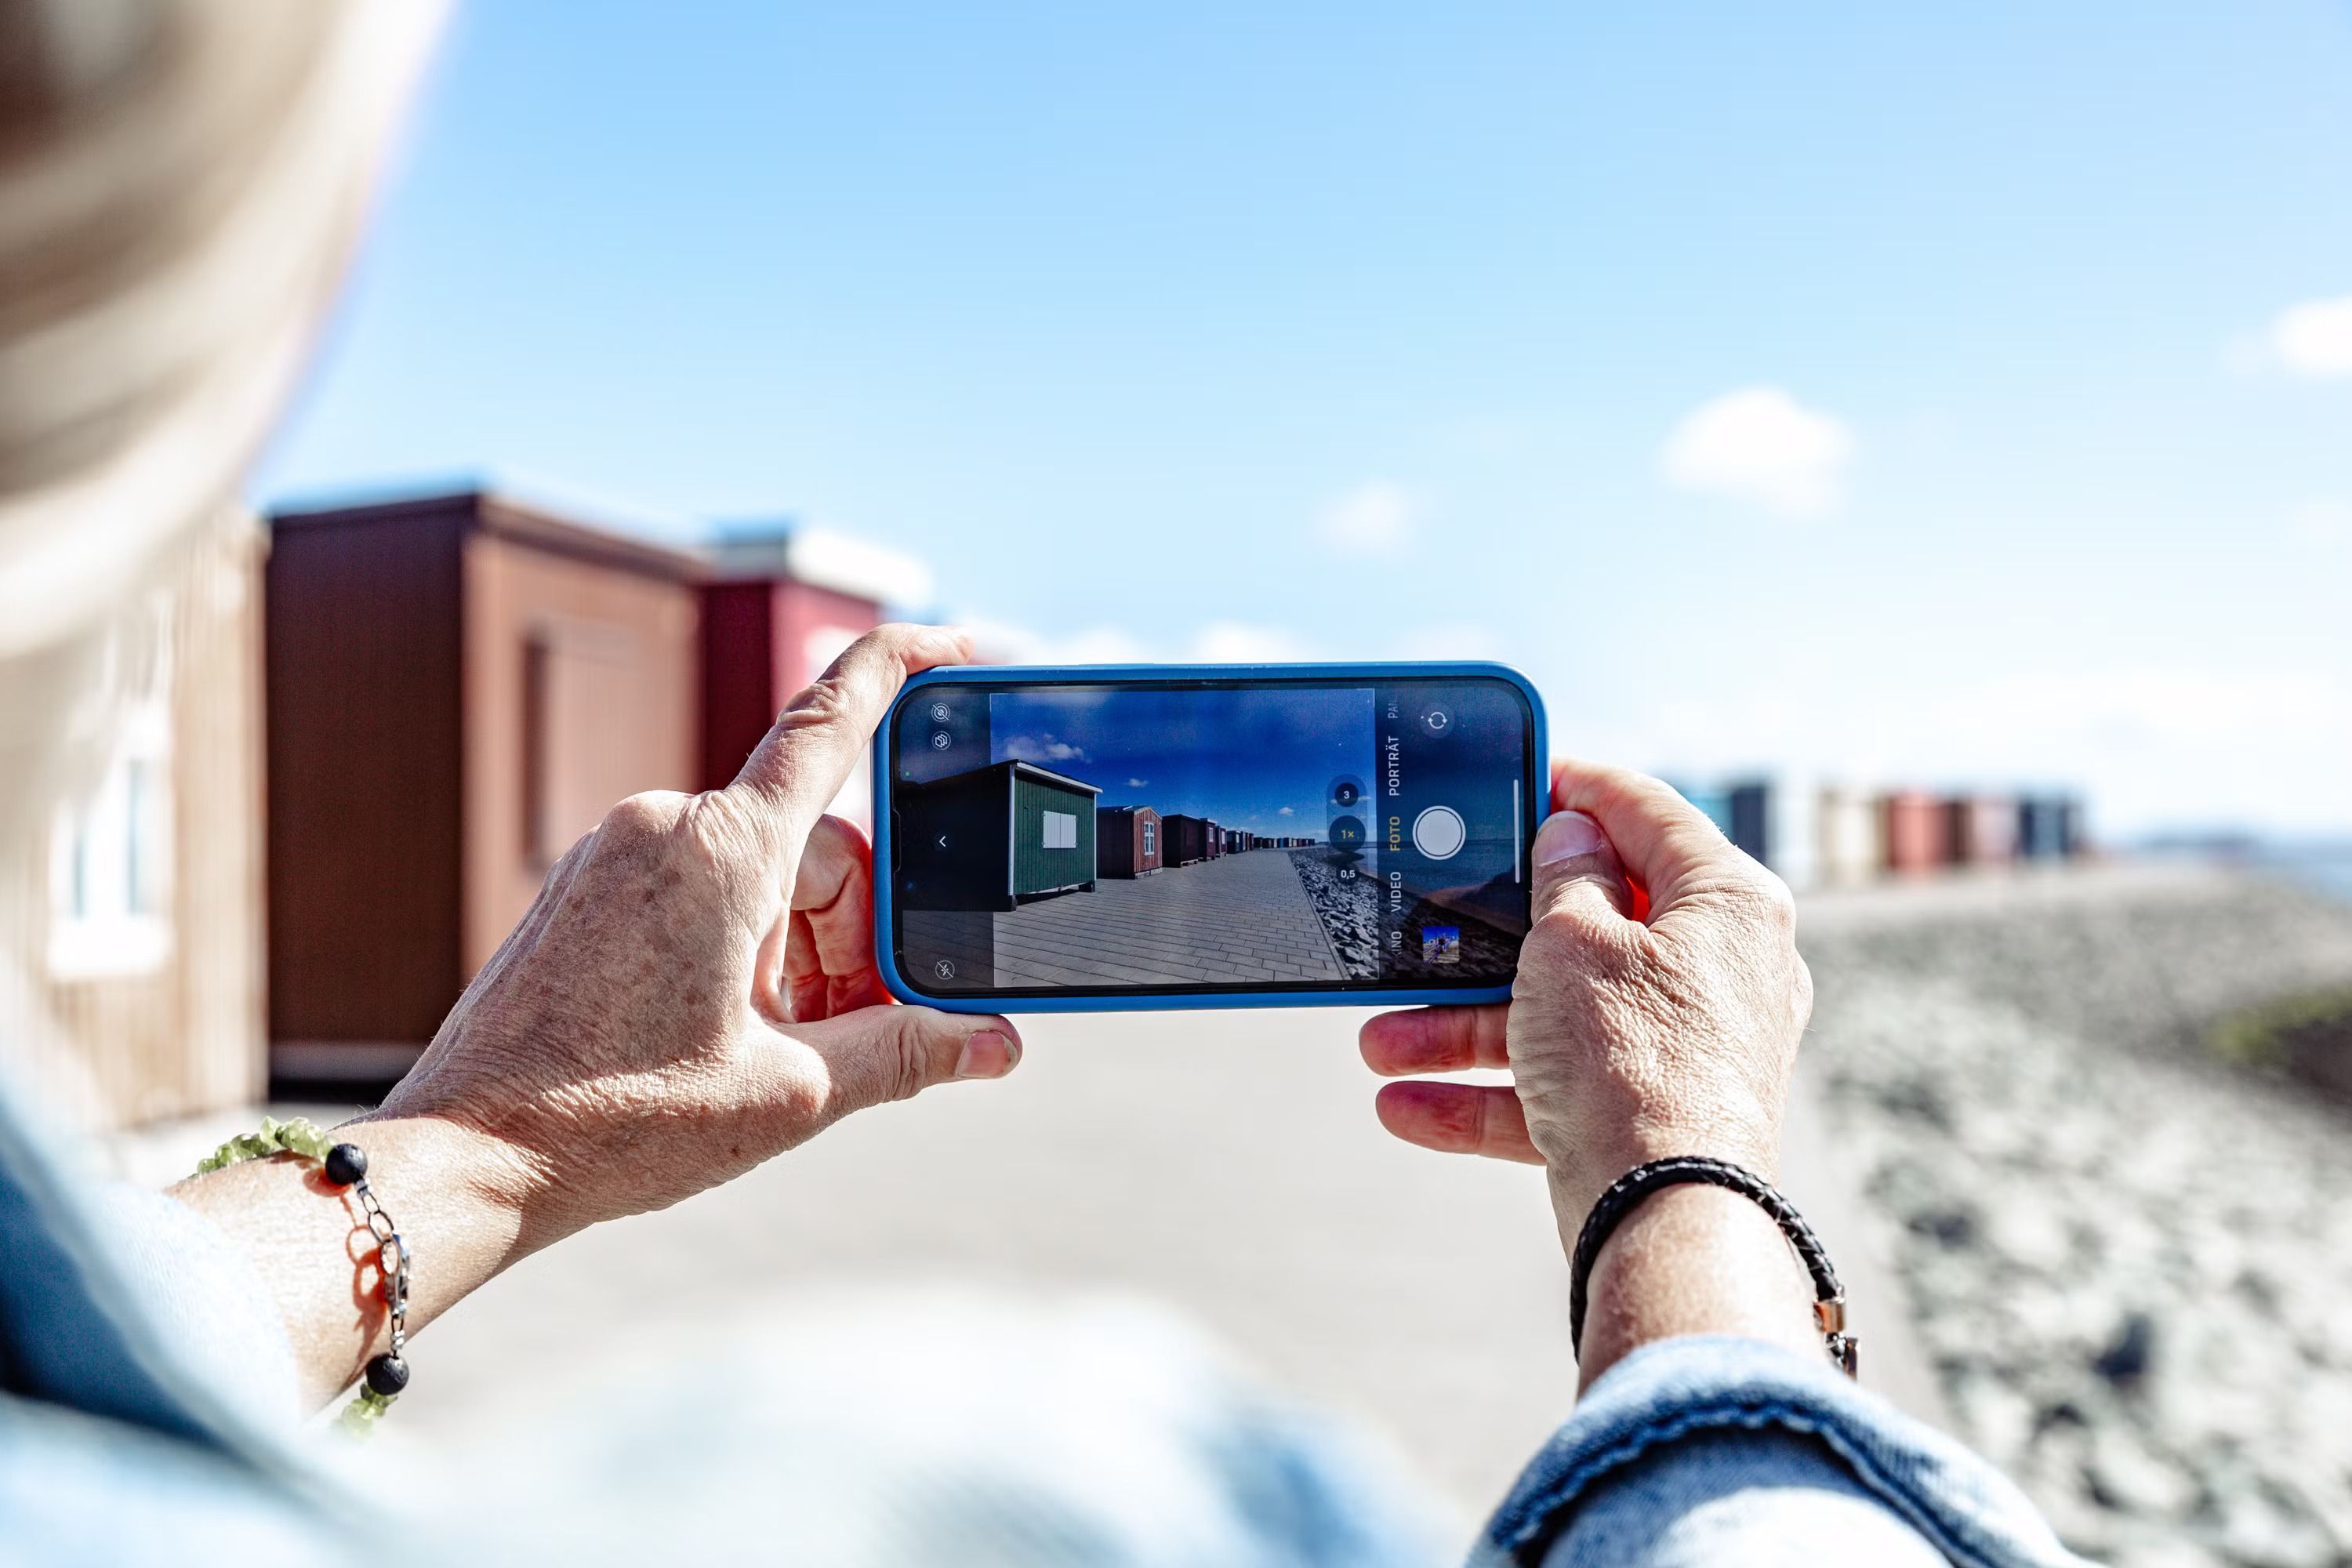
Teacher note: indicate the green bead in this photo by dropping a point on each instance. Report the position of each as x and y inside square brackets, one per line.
[296, 1135]
[360, 1416]
[302, 1138]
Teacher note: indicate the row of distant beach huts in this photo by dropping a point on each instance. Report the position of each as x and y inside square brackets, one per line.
[1136, 840]
[993, 836]
[1837, 835]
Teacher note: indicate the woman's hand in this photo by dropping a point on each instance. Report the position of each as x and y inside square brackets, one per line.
[1627, 1039]
[695, 990]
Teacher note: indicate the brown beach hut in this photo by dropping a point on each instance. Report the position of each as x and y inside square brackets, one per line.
[1127, 840]
[1187, 840]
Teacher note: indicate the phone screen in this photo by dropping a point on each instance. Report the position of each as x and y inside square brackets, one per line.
[1201, 836]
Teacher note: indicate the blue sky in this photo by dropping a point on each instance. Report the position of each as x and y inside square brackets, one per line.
[1263, 761]
[1959, 396]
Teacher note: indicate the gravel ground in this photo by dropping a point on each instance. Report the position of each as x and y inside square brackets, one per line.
[2130, 1265]
[1350, 908]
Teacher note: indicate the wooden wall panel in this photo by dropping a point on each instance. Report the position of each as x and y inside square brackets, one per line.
[185, 1033]
[618, 652]
[363, 667]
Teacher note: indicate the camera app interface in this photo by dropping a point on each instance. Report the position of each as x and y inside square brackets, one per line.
[1210, 837]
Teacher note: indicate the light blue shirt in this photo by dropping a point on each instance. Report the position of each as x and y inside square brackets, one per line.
[1716, 1450]
[145, 1409]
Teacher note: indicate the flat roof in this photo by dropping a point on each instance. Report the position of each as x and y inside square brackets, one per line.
[779, 549]
[1050, 776]
[1015, 765]
[506, 517]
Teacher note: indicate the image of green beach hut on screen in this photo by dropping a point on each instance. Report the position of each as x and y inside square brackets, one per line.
[998, 834]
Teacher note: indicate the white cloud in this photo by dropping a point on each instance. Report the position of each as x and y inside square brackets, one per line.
[1287, 811]
[2321, 524]
[1219, 642]
[1376, 517]
[2314, 338]
[996, 643]
[1138, 783]
[1043, 749]
[1760, 445]
[1232, 642]
[1452, 640]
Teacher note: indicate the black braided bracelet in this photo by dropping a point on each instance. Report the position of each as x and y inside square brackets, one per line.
[1829, 1304]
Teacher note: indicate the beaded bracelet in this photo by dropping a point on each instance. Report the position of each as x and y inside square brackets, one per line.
[345, 1165]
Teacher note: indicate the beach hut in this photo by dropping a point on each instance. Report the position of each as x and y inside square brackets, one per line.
[1793, 830]
[1918, 836]
[1127, 841]
[2049, 827]
[1848, 837]
[992, 837]
[1980, 830]
[1715, 804]
[143, 945]
[1749, 806]
[457, 686]
[1954, 810]
[1213, 839]
[1187, 840]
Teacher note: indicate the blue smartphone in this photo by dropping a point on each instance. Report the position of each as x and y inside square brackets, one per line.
[1124, 837]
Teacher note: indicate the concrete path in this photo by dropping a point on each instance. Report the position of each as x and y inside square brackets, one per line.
[1237, 918]
[1225, 1164]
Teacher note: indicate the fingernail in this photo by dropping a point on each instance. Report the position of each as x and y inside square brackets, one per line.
[987, 1053]
[1565, 835]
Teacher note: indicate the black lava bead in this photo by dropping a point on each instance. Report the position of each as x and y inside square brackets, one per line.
[387, 1374]
[346, 1164]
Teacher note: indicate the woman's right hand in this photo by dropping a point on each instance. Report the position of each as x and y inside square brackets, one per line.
[1627, 1039]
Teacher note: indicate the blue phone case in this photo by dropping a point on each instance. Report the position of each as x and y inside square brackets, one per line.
[1131, 1000]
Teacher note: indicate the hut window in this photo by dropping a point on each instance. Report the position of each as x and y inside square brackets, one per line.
[1061, 830]
[1150, 835]
[111, 862]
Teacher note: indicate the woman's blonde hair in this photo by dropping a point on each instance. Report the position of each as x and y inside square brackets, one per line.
[180, 184]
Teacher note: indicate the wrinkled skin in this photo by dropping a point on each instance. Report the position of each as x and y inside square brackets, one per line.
[1626, 1039]
[694, 992]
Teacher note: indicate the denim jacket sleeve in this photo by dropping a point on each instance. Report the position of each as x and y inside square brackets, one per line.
[1715, 1449]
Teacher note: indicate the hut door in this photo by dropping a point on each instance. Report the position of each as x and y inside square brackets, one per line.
[586, 718]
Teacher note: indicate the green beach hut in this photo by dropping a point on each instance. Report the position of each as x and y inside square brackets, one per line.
[993, 836]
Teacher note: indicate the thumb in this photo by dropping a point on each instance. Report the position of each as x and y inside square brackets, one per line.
[1577, 873]
[891, 1052]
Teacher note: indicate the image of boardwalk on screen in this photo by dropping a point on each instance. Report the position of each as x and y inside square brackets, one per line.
[1127, 835]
